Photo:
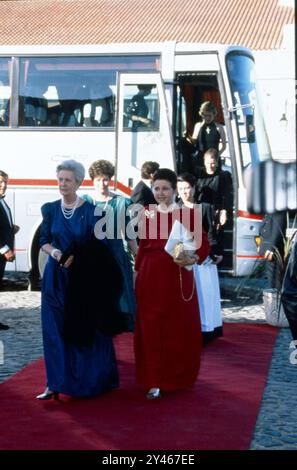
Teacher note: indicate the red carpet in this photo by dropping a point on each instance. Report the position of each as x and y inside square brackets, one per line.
[219, 413]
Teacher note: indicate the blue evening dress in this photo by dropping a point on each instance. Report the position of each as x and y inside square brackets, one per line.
[79, 372]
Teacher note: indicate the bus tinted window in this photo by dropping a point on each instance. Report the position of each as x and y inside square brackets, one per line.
[73, 91]
[5, 90]
[241, 69]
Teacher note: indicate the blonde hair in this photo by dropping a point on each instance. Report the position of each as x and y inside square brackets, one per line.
[207, 107]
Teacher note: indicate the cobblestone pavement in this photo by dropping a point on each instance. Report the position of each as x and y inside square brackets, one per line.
[276, 423]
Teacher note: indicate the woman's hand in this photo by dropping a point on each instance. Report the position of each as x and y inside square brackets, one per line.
[217, 259]
[56, 254]
[9, 255]
[187, 260]
[189, 139]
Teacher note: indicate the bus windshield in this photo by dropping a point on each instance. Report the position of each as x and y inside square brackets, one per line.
[247, 110]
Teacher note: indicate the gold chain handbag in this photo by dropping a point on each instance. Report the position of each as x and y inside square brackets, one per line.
[181, 286]
[180, 253]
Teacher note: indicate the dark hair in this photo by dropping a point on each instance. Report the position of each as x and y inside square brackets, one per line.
[101, 168]
[145, 87]
[149, 168]
[166, 174]
[187, 178]
[3, 174]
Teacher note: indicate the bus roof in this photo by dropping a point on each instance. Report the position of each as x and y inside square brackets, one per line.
[119, 48]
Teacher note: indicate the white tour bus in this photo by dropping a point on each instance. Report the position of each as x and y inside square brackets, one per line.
[60, 102]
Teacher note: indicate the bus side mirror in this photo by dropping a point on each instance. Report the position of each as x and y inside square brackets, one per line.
[250, 128]
[271, 187]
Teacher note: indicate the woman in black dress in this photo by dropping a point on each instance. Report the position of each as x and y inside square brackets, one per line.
[207, 134]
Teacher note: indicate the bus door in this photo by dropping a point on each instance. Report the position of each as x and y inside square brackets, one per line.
[191, 90]
[143, 128]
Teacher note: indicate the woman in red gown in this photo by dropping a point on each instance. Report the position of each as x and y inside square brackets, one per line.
[167, 339]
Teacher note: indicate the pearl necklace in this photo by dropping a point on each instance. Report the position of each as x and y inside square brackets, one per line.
[68, 212]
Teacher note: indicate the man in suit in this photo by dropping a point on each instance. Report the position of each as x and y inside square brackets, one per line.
[289, 291]
[7, 232]
[142, 193]
[273, 234]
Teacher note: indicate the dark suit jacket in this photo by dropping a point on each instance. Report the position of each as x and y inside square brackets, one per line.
[6, 230]
[289, 292]
[142, 194]
[273, 232]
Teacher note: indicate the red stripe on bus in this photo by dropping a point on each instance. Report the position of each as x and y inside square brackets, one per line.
[52, 182]
[123, 188]
[247, 215]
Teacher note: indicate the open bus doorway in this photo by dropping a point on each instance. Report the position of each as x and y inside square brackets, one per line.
[191, 90]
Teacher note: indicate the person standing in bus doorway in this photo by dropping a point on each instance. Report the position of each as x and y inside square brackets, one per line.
[207, 134]
[76, 293]
[7, 231]
[214, 190]
[142, 193]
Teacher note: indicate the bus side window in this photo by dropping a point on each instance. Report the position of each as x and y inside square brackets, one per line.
[33, 107]
[5, 90]
[98, 111]
[3, 104]
[67, 112]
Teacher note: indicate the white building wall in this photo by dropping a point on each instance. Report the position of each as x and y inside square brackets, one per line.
[276, 80]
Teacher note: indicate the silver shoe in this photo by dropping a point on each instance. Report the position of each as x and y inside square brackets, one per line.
[47, 395]
[153, 393]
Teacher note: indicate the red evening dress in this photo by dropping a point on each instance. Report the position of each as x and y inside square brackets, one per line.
[167, 340]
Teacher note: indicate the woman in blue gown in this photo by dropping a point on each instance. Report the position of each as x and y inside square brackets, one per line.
[114, 207]
[76, 371]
